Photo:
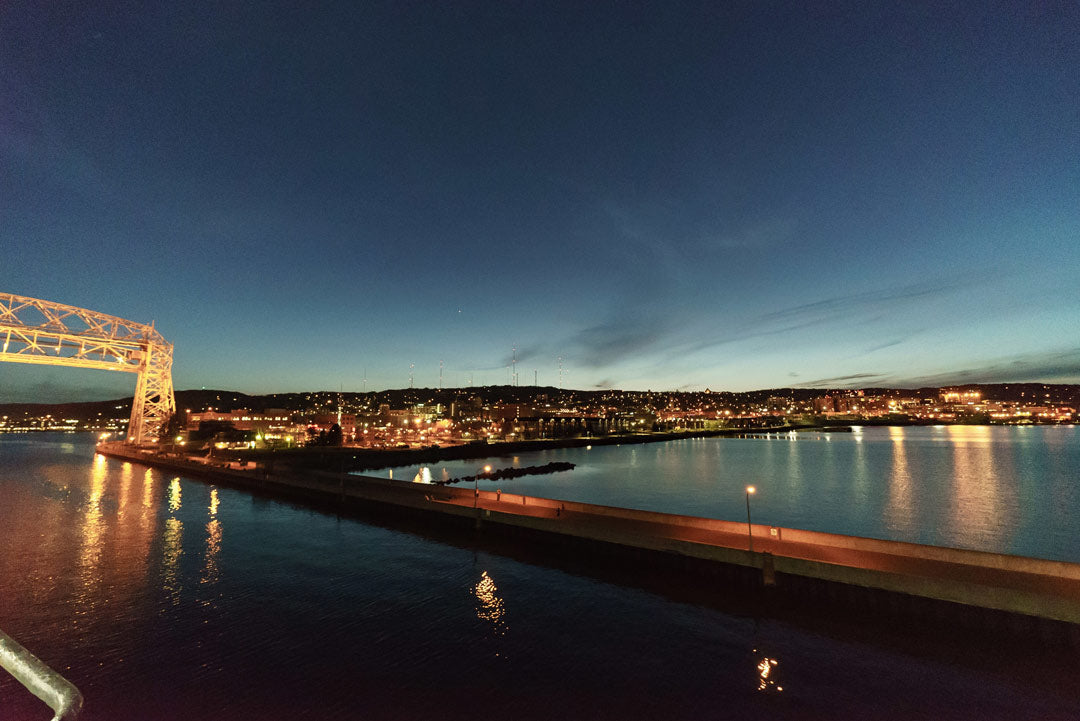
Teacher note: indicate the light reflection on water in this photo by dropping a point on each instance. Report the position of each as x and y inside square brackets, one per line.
[490, 606]
[900, 512]
[213, 542]
[148, 489]
[93, 527]
[767, 675]
[172, 546]
[860, 471]
[174, 495]
[172, 549]
[979, 512]
[213, 548]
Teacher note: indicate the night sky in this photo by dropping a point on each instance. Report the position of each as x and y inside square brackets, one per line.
[732, 195]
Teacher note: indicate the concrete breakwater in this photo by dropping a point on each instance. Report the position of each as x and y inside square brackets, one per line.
[500, 474]
[971, 587]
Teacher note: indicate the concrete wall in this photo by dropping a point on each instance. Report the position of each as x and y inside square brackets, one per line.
[764, 535]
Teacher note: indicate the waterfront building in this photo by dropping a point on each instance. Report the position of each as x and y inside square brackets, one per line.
[269, 426]
[268, 421]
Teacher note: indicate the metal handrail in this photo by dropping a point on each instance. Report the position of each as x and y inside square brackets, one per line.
[49, 686]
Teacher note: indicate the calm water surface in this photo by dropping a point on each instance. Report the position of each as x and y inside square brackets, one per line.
[163, 597]
[1007, 489]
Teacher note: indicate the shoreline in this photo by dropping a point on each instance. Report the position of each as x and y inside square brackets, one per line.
[353, 458]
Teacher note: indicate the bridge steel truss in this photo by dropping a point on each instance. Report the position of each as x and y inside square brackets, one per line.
[47, 333]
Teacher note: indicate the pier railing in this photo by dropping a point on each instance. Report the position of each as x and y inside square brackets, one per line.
[49, 686]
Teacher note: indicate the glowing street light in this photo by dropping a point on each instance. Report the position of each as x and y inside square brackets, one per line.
[476, 485]
[750, 490]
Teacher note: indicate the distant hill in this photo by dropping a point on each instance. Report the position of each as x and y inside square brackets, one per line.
[225, 400]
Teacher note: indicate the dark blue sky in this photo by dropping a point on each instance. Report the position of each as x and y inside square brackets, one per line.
[674, 195]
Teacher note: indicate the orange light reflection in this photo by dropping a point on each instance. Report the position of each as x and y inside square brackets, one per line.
[767, 681]
[491, 607]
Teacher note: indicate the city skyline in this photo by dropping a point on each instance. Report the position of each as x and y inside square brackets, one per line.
[667, 198]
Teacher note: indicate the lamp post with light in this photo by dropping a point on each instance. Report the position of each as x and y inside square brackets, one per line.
[476, 485]
[750, 490]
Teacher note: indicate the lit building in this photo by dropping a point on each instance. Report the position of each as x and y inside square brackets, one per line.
[266, 422]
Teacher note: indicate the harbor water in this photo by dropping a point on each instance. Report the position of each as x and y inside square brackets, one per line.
[1005, 489]
[165, 597]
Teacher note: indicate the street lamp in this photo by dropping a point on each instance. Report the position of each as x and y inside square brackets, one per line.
[476, 486]
[750, 490]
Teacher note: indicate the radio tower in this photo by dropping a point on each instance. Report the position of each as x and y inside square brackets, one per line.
[560, 372]
[411, 366]
[514, 364]
[440, 375]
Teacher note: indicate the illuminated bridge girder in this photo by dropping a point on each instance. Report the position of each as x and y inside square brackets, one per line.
[47, 333]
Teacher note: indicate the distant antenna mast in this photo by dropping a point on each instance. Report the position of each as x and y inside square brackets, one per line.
[534, 378]
[339, 405]
[411, 366]
[514, 363]
[440, 375]
[560, 372]
[365, 380]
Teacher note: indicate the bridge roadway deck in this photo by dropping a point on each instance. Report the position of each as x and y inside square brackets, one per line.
[1027, 586]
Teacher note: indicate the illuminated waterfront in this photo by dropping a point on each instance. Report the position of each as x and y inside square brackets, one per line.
[164, 597]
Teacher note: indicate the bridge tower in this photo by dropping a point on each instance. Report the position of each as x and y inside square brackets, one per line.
[47, 333]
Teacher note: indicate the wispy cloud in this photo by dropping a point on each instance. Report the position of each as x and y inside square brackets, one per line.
[880, 346]
[846, 305]
[883, 346]
[845, 309]
[1061, 366]
[617, 339]
[762, 234]
[523, 354]
[738, 334]
[680, 229]
[851, 380]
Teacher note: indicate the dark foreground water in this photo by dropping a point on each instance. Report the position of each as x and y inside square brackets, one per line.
[167, 598]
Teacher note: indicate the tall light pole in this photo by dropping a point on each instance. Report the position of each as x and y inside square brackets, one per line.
[750, 490]
[476, 487]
